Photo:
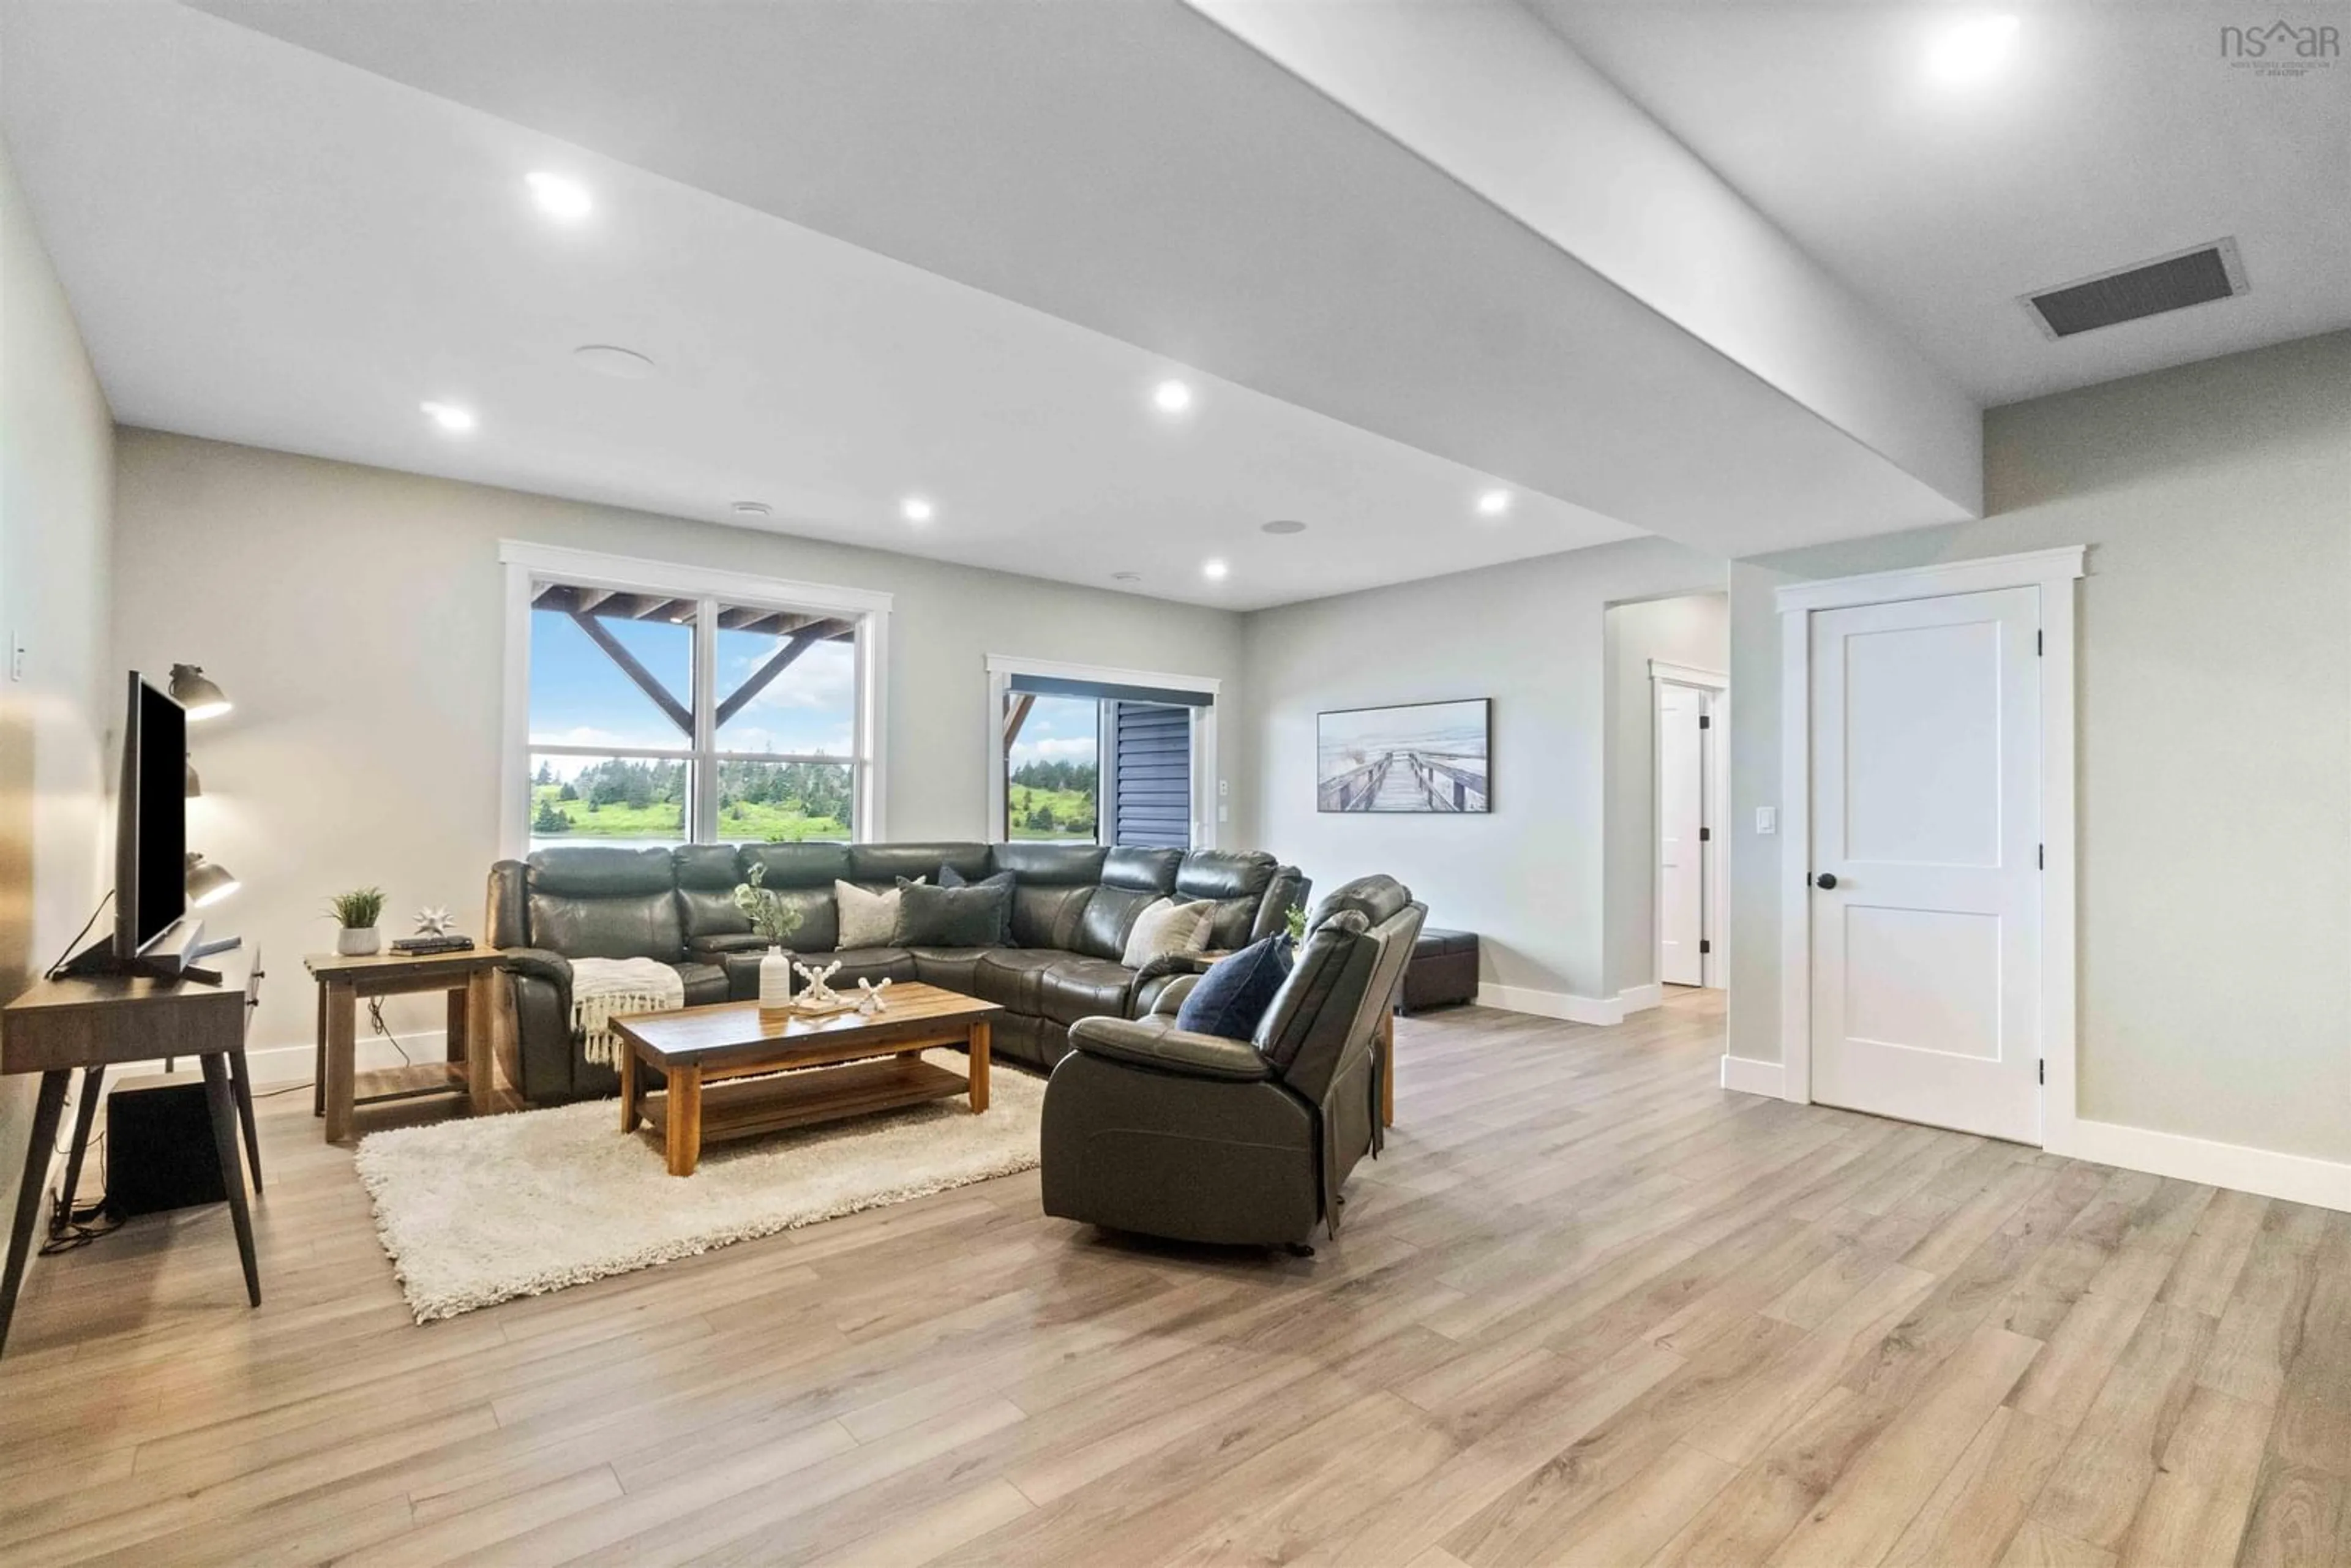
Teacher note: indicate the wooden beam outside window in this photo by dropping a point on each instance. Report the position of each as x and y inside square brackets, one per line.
[646, 681]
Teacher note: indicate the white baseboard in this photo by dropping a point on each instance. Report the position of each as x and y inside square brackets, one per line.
[2297, 1178]
[1551, 1004]
[1750, 1076]
[1599, 1010]
[278, 1064]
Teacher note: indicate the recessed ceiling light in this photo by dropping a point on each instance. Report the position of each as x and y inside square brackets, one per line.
[1171, 397]
[561, 197]
[1972, 49]
[605, 359]
[449, 416]
[1126, 577]
[915, 509]
[1283, 526]
[754, 510]
[1214, 570]
[1493, 503]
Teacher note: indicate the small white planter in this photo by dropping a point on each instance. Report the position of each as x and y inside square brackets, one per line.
[775, 980]
[358, 943]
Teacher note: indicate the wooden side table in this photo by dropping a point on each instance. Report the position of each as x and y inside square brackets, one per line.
[94, 1022]
[470, 979]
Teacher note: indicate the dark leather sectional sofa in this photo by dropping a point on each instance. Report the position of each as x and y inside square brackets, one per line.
[1072, 907]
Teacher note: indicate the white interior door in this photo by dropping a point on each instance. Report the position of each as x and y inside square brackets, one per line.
[1681, 816]
[1926, 835]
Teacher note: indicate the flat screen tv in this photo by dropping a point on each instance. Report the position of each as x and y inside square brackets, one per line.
[151, 829]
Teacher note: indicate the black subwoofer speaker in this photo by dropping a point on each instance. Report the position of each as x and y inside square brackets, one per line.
[159, 1146]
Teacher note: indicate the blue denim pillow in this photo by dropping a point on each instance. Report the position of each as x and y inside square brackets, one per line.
[1230, 999]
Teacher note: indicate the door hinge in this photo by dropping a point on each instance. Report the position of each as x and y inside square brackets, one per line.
[2041, 1072]
[1705, 835]
[2041, 857]
[1705, 721]
[1704, 945]
[2036, 645]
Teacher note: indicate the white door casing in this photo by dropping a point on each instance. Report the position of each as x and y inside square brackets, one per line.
[1681, 813]
[1690, 728]
[2054, 572]
[1925, 816]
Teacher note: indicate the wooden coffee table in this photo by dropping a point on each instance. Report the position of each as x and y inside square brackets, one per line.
[721, 1062]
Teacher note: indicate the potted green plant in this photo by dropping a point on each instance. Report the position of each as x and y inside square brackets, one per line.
[1293, 923]
[777, 921]
[357, 911]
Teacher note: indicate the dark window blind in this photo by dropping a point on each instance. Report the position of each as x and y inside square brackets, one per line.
[1154, 776]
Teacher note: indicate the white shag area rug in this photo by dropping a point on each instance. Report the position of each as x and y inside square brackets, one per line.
[479, 1211]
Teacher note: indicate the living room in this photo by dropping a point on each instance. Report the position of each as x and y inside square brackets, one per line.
[1495, 854]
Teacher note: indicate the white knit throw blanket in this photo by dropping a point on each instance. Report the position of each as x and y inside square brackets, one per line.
[603, 989]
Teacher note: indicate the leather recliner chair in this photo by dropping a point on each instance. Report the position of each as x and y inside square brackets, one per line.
[1151, 1128]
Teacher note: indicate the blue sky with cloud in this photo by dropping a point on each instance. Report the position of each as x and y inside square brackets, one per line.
[1059, 729]
[579, 697]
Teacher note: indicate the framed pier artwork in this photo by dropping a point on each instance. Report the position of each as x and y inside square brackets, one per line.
[1414, 756]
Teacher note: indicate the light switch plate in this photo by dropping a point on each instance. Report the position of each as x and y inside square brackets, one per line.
[16, 656]
[1766, 818]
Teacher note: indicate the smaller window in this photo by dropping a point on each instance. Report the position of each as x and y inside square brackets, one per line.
[1094, 760]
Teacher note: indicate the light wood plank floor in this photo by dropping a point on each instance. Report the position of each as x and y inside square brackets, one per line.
[1588, 1308]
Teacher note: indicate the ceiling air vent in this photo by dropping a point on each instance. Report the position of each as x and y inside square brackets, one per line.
[2194, 277]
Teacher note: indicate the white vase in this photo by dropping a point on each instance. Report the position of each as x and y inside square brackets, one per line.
[775, 979]
[357, 943]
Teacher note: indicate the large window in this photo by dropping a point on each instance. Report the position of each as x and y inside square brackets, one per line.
[1086, 758]
[659, 716]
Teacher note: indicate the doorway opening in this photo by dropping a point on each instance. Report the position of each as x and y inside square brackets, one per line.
[1667, 748]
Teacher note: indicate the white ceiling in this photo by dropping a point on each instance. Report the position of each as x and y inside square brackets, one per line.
[2115, 133]
[948, 249]
[267, 246]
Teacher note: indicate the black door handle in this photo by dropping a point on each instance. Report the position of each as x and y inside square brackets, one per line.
[1825, 881]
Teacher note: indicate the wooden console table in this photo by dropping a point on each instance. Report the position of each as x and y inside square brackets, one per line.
[95, 1023]
[470, 979]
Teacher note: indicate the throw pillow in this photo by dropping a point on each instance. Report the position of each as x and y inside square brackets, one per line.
[973, 916]
[867, 919]
[1230, 999]
[950, 877]
[1163, 928]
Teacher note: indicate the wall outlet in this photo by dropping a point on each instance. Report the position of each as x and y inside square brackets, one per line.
[16, 656]
[1224, 787]
[1766, 818]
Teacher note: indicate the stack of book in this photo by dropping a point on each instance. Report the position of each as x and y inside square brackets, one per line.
[418, 946]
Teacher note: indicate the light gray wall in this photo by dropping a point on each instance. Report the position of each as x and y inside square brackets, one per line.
[1691, 630]
[57, 466]
[2214, 735]
[356, 615]
[1529, 877]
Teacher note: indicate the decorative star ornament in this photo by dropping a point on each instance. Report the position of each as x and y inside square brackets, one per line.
[433, 921]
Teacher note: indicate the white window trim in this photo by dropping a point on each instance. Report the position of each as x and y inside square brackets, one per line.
[1003, 667]
[2054, 572]
[525, 562]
